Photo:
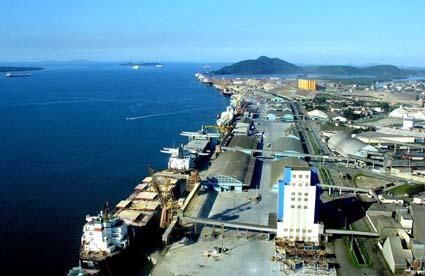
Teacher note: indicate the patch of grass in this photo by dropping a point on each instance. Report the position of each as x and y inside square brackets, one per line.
[409, 189]
[362, 248]
[356, 177]
[325, 177]
[312, 143]
[350, 254]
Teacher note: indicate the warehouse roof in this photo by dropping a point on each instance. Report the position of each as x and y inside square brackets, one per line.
[291, 131]
[418, 215]
[233, 164]
[342, 143]
[243, 141]
[287, 144]
[276, 167]
[318, 113]
[401, 132]
[398, 254]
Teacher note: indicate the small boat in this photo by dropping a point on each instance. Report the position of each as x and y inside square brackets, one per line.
[13, 75]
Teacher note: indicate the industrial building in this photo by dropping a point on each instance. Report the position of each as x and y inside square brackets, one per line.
[379, 138]
[344, 144]
[232, 170]
[419, 137]
[307, 84]
[418, 214]
[243, 142]
[298, 203]
[284, 145]
[395, 255]
[279, 111]
[318, 115]
[401, 112]
[243, 126]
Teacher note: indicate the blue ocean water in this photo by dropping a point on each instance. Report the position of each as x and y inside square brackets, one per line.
[66, 147]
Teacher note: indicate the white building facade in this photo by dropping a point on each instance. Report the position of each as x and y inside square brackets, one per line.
[298, 206]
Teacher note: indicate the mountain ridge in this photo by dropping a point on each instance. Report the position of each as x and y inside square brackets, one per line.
[261, 65]
[264, 65]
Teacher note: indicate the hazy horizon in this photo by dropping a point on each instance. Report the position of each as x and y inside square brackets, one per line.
[301, 32]
[87, 61]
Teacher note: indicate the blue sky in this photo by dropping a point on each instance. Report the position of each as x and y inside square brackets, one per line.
[300, 31]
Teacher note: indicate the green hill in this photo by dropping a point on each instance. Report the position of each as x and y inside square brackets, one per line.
[336, 69]
[261, 65]
[383, 70]
[377, 70]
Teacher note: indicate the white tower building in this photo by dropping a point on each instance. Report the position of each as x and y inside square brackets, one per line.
[298, 203]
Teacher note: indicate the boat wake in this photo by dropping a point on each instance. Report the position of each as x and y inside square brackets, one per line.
[163, 114]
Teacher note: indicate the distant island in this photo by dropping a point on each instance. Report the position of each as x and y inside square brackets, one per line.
[262, 65]
[18, 69]
[390, 71]
[156, 64]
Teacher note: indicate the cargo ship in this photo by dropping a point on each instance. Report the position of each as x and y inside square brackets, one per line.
[104, 239]
[226, 117]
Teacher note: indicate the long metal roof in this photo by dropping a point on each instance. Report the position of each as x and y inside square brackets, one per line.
[235, 164]
[243, 141]
[287, 144]
[345, 145]
[418, 215]
[276, 168]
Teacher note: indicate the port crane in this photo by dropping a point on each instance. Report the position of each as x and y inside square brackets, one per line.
[168, 204]
[222, 129]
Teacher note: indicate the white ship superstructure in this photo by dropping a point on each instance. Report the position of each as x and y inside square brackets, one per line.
[103, 236]
[179, 159]
[226, 117]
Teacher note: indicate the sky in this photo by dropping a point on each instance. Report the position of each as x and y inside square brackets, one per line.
[303, 32]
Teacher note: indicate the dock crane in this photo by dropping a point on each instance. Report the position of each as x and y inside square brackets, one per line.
[222, 129]
[168, 204]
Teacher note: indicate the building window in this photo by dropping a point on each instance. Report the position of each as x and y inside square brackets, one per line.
[300, 194]
[304, 230]
[299, 199]
[292, 206]
[293, 199]
[309, 230]
[306, 194]
[305, 199]
[293, 193]
[305, 207]
[297, 230]
[285, 230]
[299, 206]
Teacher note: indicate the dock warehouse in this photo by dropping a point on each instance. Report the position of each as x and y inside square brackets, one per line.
[286, 145]
[232, 170]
